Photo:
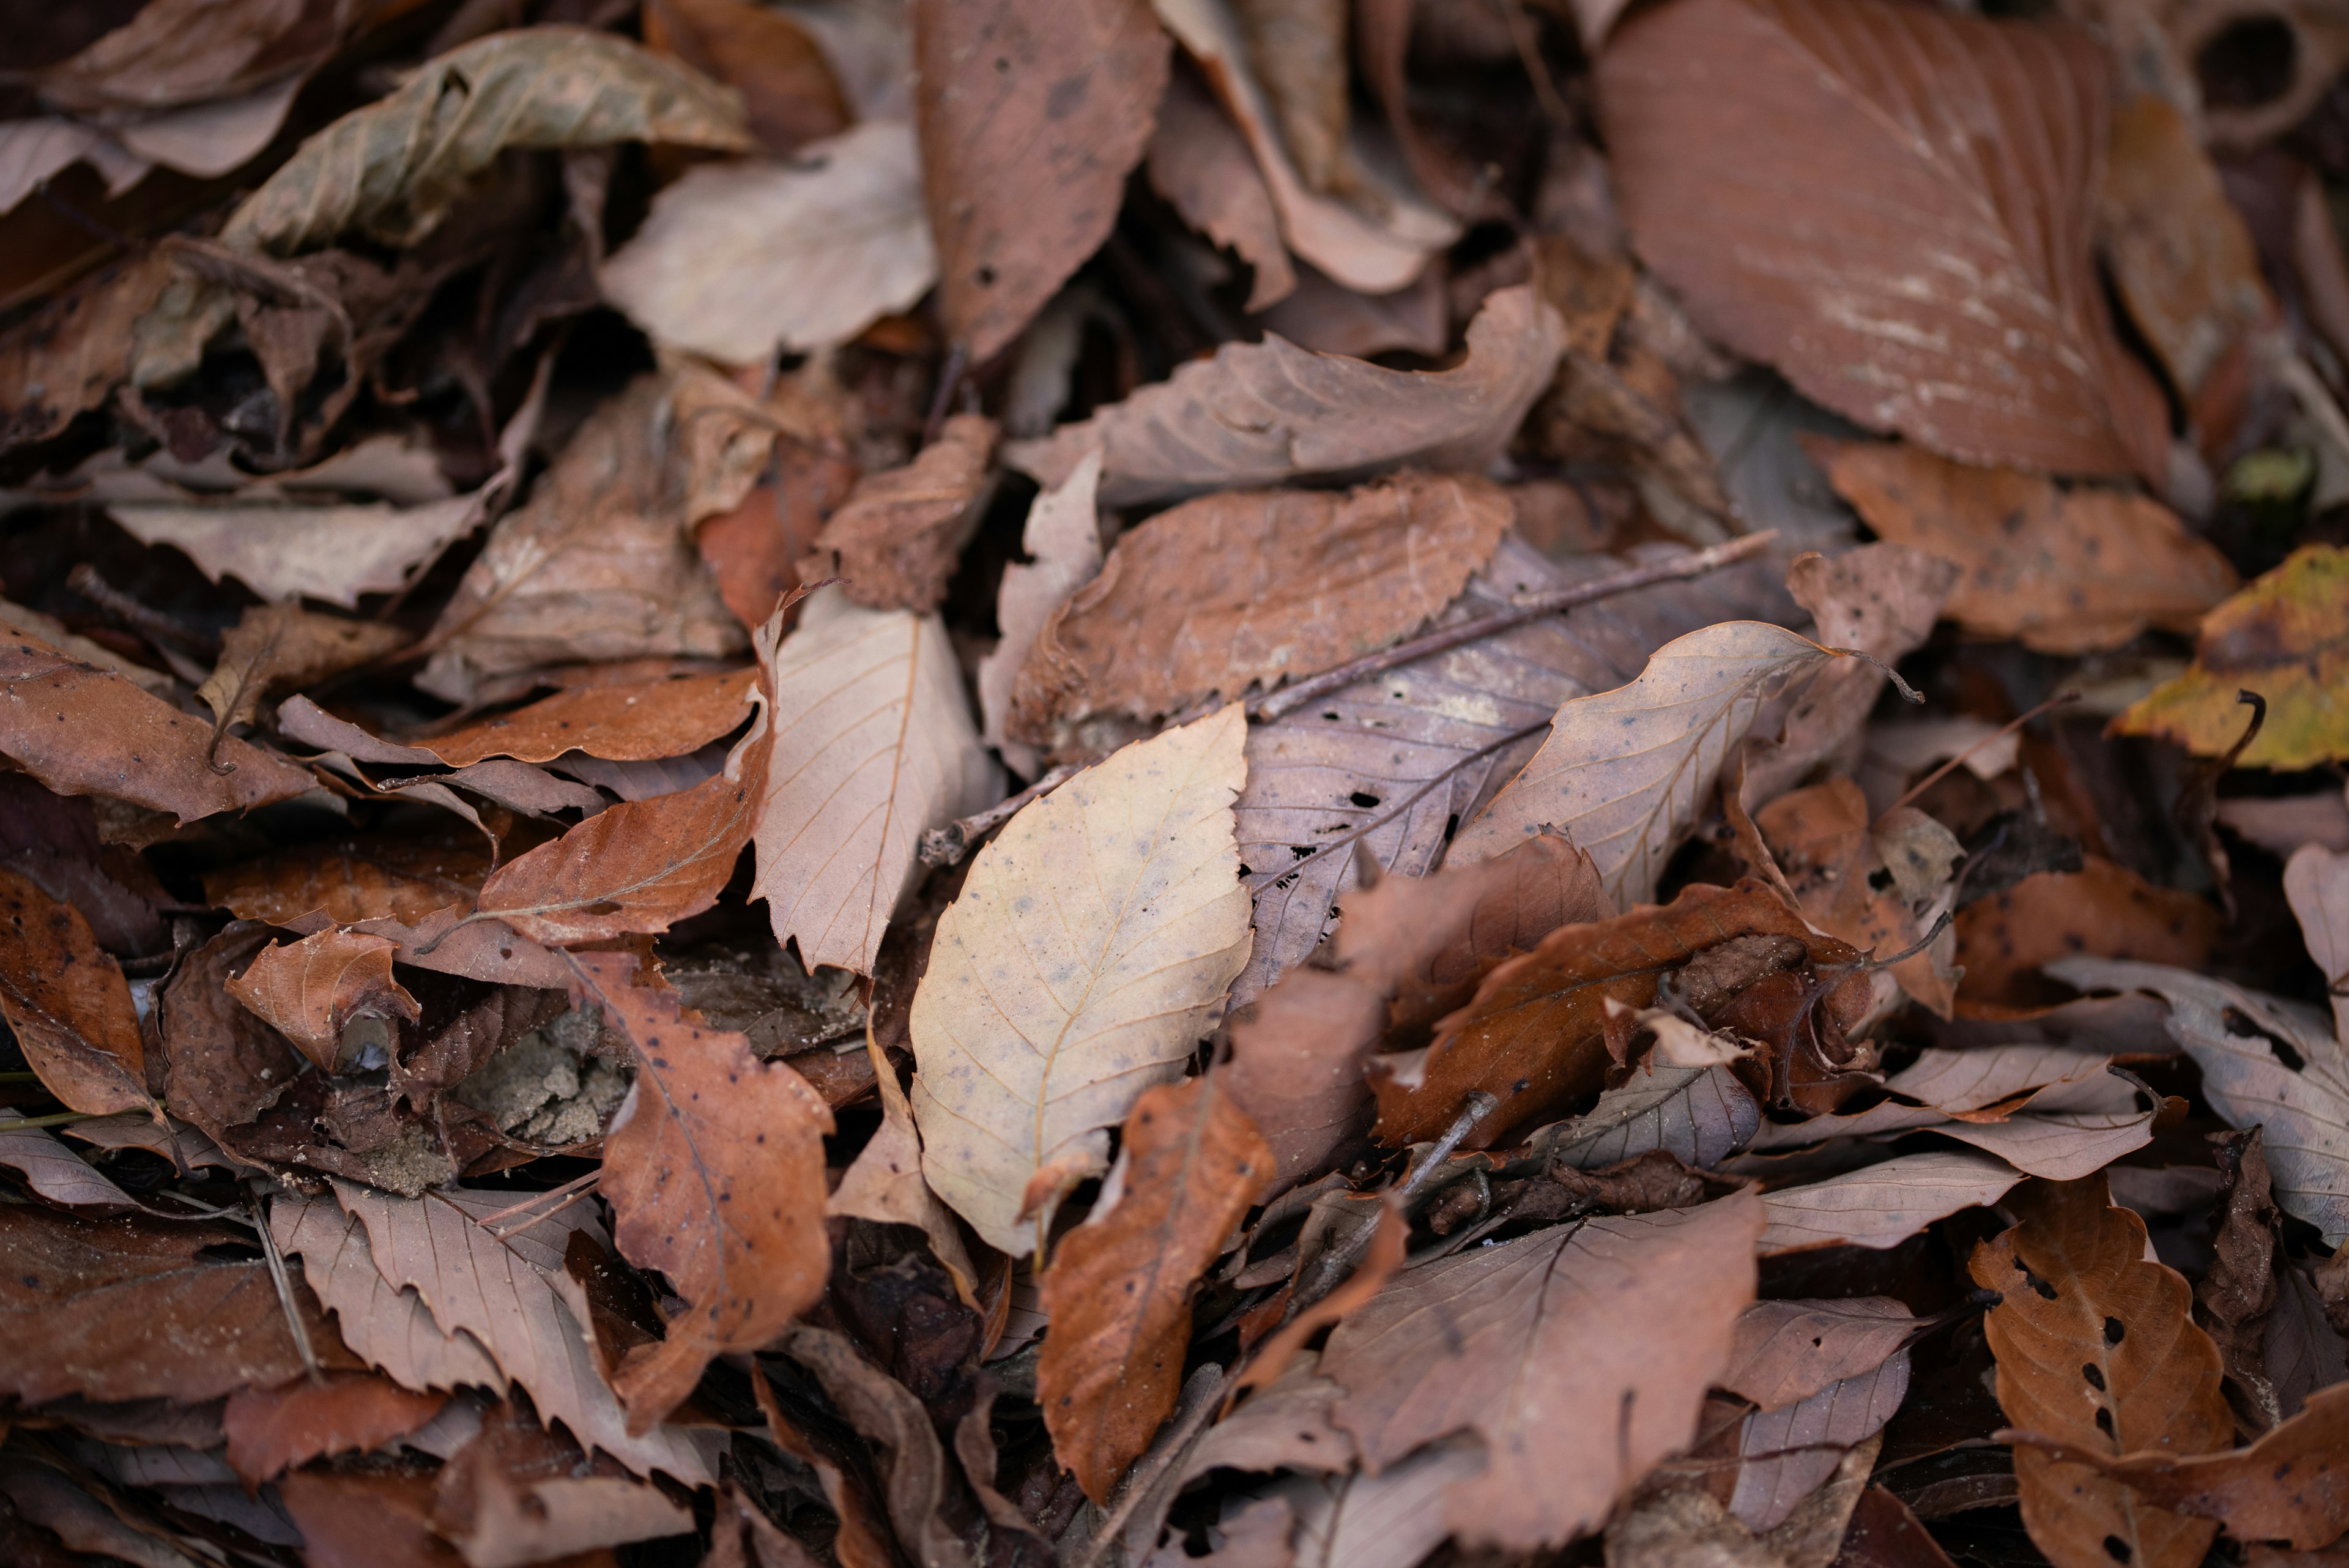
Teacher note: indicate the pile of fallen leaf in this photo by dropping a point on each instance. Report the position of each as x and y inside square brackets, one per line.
[1105, 783]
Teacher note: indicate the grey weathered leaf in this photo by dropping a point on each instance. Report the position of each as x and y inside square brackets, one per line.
[1882, 1205]
[55, 1171]
[1698, 1115]
[330, 553]
[1786, 1351]
[1783, 1455]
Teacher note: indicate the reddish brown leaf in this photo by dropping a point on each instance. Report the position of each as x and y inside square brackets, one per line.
[714, 1169]
[2096, 1349]
[2292, 1485]
[521, 1493]
[2103, 910]
[1031, 115]
[275, 648]
[81, 730]
[402, 877]
[133, 1308]
[273, 1430]
[311, 990]
[1895, 188]
[896, 541]
[2065, 571]
[366, 1520]
[1201, 163]
[640, 865]
[1786, 1351]
[754, 550]
[1533, 1035]
[1118, 1288]
[634, 721]
[67, 1002]
[1821, 839]
[786, 86]
[1230, 592]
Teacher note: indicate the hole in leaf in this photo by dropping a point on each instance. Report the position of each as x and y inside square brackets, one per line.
[2094, 1375]
[2115, 1331]
[2104, 1421]
[2116, 1549]
[1363, 798]
[2250, 63]
[2242, 1027]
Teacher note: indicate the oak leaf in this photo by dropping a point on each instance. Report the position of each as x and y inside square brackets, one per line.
[1119, 1290]
[1579, 1353]
[2063, 571]
[872, 744]
[1239, 591]
[2094, 1347]
[1032, 116]
[1625, 773]
[68, 1003]
[2285, 637]
[311, 990]
[895, 540]
[714, 1169]
[1949, 251]
[84, 731]
[1259, 413]
[738, 260]
[1031, 1034]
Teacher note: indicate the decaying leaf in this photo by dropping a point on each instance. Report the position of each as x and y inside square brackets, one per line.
[1237, 592]
[788, 89]
[2063, 571]
[1881, 1206]
[68, 1003]
[274, 648]
[272, 1430]
[395, 167]
[403, 876]
[1480, 1342]
[2266, 1064]
[312, 990]
[714, 1169]
[81, 730]
[1201, 163]
[1949, 252]
[1821, 840]
[1626, 772]
[2094, 1347]
[2285, 637]
[740, 259]
[337, 554]
[630, 720]
[1697, 1115]
[1062, 539]
[1786, 1351]
[1120, 1285]
[1031, 1035]
[1032, 117]
[1264, 412]
[873, 744]
[2103, 908]
[893, 543]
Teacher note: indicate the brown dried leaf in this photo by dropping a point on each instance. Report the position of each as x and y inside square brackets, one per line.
[310, 991]
[2096, 1349]
[1785, 1455]
[1881, 1206]
[1265, 412]
[1296, 1066]
[402, 877]
[640, 865]
[1231, 593]
[387, 1325]
[789, 91]
[1201, 164]
[68, 357]
[1299, 50]
[332, 553]
[598, 565]
[1929, 222]
[131, 1308]
[2065, 571]
[1579, 1353]
[273, 1430]
[1119, 1290]
[708, 1137]
[68, 1003]
[1062, 539]
[1031, 115]
[631, 721]
[2290, 1486]
[2103, 910]
[519, 1493]
[1786, 1351]
[183, 52]
[1533, 1035]
[55, 1171]
[1820, 838]
[1033, 1035]
[886, 1413]
[2316, 882]
[81, 730]
[365, 1520]
[395, 167]
[896, 541]
[1624, 772]
[884, 1183]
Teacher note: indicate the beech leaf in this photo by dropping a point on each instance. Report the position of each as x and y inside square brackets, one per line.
[895, 541]
[1881, 1206]
[272, 1430]
[1949, 254]
[1032, 116]
[873, 744]
[1625, 773]
[55, 1171]
[1062, 538]
[2316, 881]
[311, 990]
[1786, 1351]
[1119, 1290]
[2095, 1347]
[1031, 1034]
[630, 720]
[714, 1169]
[332, 553]
[1259, 413]
[386, 1324]
[1201, 163]
[1579, 1353]
[68, 1003]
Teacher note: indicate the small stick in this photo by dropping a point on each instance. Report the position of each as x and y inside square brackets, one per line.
[536, 1199]
[285, 1284]
[1273, 704]
[945, 845]
[1937, 775]
[1335, 1264]
[61, 1119]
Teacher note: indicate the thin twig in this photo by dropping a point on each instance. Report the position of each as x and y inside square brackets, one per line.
[161, 630]
[513, 1231]
[1332, 1266]
[536, 1199]
[945, 845]
[62, 1117]
[285, 1284]
[1273, 704]
[1930, 780]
